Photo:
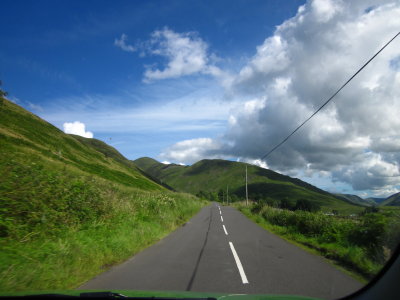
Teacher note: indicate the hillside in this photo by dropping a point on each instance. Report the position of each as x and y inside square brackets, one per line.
[356, 200]
[65, 199]
[393, 200]
[376, 200]
[214, 176]
[25, 137]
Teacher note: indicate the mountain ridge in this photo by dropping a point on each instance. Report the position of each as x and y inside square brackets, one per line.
[214, 176]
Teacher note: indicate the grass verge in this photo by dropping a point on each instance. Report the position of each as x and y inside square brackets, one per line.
[71, 258]
[58, 230]
[351, 258]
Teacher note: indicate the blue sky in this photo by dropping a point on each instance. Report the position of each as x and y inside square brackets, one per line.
[186, 80]
[61, 57]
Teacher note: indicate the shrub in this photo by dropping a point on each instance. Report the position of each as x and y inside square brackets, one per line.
[371, 234]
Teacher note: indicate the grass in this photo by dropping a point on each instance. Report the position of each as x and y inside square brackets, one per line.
[361, 246]
[23, 133]
[71, 207]
[60, 227]
[61, 241]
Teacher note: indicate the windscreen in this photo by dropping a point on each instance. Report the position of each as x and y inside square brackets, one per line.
[198, 148]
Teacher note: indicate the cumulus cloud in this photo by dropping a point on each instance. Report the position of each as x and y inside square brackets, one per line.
[121, 43]
[186, 54]
[77, 128]
[356, 138]
[190, 151]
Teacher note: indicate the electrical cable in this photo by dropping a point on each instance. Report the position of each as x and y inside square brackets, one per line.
[327, 101]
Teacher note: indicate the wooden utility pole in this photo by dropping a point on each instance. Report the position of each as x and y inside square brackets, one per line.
[247, 195]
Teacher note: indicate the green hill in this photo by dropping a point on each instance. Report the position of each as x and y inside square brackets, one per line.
[393, 200]
[212, 177]
[375, 200]
[26, 137]
[65, 199]
[356, 200]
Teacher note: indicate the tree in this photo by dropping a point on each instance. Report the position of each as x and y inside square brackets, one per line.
[221, 195]
[306, 205]
[370, 209]
[202, 195]
[2, 93]
[285, 204]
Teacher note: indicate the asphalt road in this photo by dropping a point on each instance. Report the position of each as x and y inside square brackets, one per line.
[221, 250]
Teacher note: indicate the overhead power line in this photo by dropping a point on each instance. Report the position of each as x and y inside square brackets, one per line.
[327, 101]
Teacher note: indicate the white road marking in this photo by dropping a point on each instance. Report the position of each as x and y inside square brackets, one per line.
[238, 264]
[220, 213]
[222, 219]
[225, 230]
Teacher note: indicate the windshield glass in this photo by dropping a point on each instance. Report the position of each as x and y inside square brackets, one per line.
[216, 147]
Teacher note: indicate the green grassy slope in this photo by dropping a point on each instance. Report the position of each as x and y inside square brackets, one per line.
[24, 135]
[356, 200]
[71, 207]
[393, 200]
[215, 175]
[375, 200]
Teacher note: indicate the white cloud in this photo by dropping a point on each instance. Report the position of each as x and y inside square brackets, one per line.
[186, 53]
[190, 151]
[356, 138]
[372, 172]
[257, 162]
[77, 128]
[121, 43]
[324, 10]
[301, 66]
[34, 106]
[190, 113]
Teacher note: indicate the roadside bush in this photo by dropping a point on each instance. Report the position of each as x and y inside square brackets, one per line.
[359, 243]
[256, 207]
[393, 236]
[312, 224]
[280, 217]
[371, 234]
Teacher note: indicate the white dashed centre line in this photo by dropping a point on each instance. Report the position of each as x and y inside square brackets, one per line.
[225, 229]
[222, 219]
[238, 264]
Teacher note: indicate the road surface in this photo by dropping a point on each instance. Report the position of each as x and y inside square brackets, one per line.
[221, 250]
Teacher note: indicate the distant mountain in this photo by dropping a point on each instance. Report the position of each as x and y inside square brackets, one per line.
[393, 200]
[216, 176]
[378, 201]
[356, 199]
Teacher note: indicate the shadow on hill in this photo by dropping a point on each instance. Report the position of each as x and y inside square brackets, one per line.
[155, 180]
[279, 192]
[276, 176]
[263, 190]
[207, 165]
